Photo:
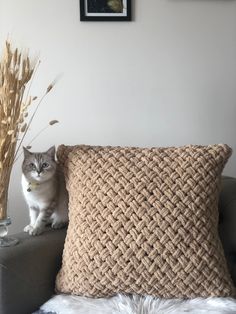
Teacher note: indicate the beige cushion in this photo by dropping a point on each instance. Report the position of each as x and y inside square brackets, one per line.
[143, 221]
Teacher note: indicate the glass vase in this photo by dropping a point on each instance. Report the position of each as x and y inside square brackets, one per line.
[5, 240]
[5, 221]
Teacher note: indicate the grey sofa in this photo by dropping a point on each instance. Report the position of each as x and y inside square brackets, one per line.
[28, 270]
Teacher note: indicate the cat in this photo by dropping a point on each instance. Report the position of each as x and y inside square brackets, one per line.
[44, 190]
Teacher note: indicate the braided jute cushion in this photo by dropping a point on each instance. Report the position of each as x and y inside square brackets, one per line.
[143, 221]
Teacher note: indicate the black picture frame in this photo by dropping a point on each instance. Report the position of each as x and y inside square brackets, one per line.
[99, 10]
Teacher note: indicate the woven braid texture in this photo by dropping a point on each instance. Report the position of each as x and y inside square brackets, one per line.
[144, 221]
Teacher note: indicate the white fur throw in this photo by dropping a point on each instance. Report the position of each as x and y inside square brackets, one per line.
[121, 304]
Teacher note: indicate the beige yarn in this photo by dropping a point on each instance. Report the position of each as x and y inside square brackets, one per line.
[144, 221]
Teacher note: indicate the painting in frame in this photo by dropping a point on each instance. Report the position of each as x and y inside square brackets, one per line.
[105, 10]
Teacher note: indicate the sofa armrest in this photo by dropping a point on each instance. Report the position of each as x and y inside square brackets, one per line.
[28, 271]
[227, 223]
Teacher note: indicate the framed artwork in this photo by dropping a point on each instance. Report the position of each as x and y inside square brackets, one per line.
[105, 10]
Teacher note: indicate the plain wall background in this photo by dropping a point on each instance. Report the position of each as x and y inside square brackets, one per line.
[167, 78]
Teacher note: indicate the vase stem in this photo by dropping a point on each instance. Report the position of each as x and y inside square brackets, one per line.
[3, 198]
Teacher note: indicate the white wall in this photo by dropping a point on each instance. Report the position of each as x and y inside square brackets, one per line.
[167, 78]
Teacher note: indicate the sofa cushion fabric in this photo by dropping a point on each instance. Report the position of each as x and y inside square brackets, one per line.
[143, 220]
[28, 271]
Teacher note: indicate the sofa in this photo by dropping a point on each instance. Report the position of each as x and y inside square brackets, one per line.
[28, 270]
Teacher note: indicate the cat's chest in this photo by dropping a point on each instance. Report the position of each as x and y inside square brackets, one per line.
[38, 194]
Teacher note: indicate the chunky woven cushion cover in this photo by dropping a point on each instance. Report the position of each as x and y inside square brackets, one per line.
[143, 221]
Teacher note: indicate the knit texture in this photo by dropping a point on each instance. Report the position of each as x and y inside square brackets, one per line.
[143, 221]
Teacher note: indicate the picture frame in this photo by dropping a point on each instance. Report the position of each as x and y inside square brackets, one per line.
[105, 10]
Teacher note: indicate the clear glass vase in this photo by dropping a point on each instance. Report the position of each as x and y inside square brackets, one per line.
[5, 221]
[5, 240]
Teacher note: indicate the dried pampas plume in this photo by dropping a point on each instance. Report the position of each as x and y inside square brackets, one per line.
[16, 73]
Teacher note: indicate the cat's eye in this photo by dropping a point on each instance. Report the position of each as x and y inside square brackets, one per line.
[45, 165]
[32, 166]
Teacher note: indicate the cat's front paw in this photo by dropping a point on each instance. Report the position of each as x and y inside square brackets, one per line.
[36, 231]
[28, 228]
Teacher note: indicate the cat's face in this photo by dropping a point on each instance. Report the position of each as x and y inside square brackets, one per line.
[39, 167]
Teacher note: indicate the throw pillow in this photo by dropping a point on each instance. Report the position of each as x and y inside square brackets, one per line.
[144, 221]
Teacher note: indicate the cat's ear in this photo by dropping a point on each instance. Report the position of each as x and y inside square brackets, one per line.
[51, 152]
[27, 153]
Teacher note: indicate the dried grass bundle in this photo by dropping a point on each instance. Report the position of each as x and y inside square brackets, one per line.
[16, 71]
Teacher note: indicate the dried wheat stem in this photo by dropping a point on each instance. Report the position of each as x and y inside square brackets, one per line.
[16, 71]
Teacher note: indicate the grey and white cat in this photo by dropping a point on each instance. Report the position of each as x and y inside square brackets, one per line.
[44, 191]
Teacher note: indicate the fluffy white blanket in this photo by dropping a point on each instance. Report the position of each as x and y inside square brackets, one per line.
[121, 304]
